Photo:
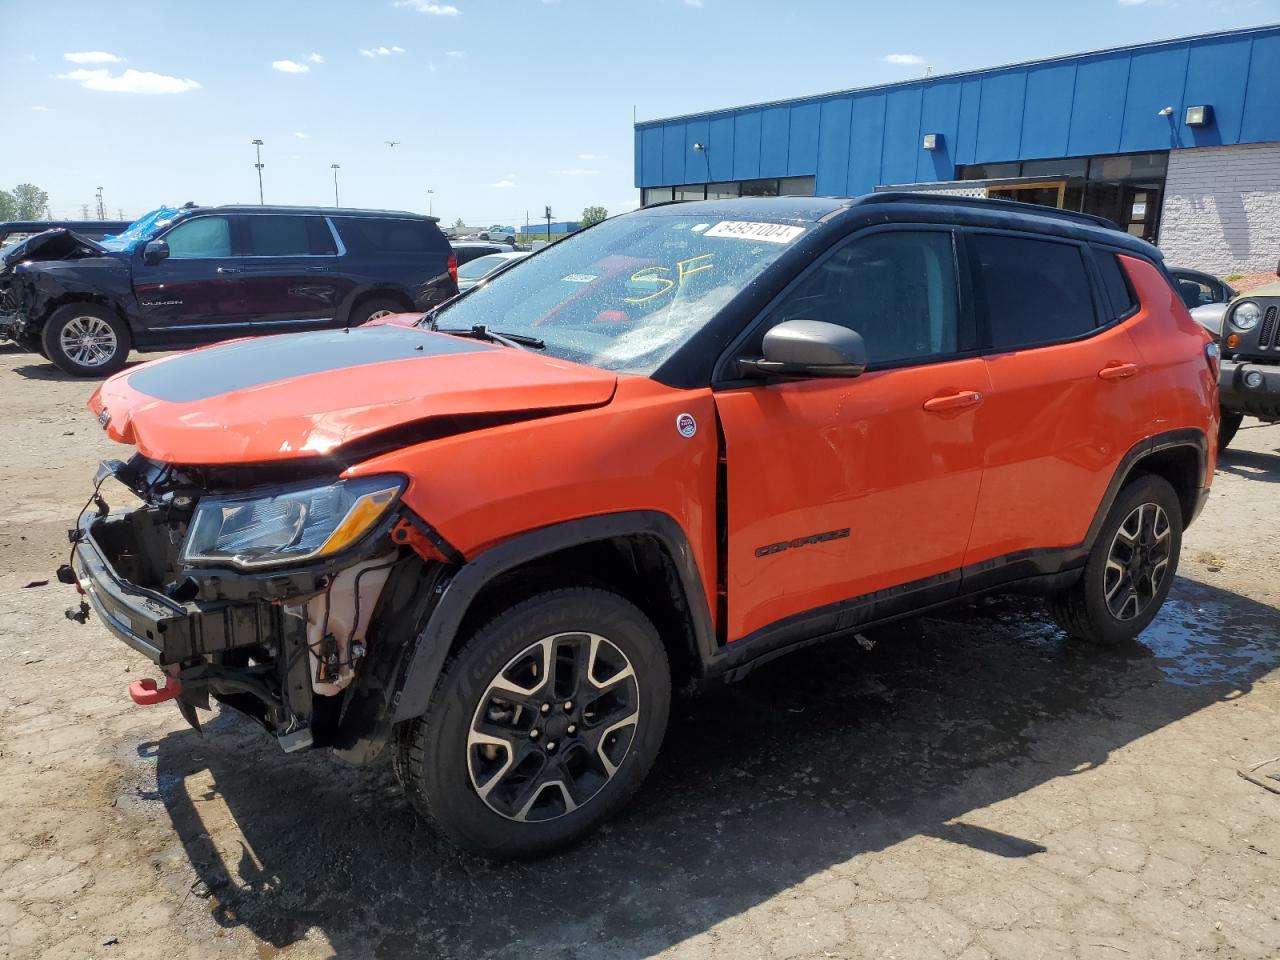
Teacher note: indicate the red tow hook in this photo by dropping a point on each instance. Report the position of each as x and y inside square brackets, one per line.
[145, 692]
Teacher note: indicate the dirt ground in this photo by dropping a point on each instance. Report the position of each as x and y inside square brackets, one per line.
[972, 786]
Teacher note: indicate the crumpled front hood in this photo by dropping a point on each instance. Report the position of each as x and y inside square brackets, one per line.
[309, 394]
[54, 244]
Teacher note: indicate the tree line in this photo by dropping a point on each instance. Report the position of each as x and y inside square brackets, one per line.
[26, 201]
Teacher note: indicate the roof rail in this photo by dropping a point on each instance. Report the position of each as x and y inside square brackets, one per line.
[986, 203]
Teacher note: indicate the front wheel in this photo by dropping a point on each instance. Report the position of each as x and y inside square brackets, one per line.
[1130, 568]
[542, 725]
[85, 340]
[1228, 424]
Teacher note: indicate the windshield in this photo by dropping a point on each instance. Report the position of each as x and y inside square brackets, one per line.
[627, 293]
[140, 231]
[476, 269]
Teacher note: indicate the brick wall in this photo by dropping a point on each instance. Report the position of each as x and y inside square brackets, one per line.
[1222, 209]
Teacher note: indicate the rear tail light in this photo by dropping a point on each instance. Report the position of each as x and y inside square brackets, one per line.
[453, 269]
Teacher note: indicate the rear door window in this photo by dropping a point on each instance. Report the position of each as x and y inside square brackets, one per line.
[1031, 292]
[287, 236]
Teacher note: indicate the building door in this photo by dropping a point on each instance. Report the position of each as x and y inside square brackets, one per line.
[1049, 193]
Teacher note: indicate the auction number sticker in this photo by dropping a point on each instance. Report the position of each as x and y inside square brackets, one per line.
[750, 230]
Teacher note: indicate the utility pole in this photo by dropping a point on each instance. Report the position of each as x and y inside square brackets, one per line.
[119, 213]
[257, 149]
[335, 169]
[102, 209]
[84, 211]
[548, 216]
[431, 203]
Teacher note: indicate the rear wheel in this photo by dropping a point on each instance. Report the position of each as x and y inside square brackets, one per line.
[1227, 427]
[86, 340]
[1130, 568]
[542, 726]
[374, 309]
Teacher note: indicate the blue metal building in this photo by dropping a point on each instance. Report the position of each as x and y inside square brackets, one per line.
[1097, 131]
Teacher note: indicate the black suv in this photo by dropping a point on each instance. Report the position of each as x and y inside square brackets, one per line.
[185, 277]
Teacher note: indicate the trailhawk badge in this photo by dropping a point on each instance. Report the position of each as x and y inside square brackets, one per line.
[686, 425]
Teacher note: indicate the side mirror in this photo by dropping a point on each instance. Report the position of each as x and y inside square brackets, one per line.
[154, 252]
[809, 348]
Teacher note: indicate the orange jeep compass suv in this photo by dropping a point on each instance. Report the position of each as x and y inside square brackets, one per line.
[656, 454]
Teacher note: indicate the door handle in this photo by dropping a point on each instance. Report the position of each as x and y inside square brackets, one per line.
[228, 269]
[953, 401]
[1117, 371]
[317, 269]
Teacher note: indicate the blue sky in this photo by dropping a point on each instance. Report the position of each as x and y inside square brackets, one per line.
[499, 106]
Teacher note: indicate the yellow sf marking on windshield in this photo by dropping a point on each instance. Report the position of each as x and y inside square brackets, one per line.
[684, 268]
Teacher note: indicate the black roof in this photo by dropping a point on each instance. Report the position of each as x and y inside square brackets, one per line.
[892, 206]
[319, 211]
[65, 224]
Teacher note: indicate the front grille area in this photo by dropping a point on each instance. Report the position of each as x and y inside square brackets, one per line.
[1266, 336]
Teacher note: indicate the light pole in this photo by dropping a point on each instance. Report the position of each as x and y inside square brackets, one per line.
[431, 203]
[335, 168]
[257, 150]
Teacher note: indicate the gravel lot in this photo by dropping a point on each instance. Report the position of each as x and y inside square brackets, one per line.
[972, 786]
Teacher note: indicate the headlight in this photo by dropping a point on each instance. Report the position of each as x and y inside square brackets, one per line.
[291, 527]
[1245, 316]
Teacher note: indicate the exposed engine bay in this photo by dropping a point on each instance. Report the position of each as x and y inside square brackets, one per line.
[310, 649]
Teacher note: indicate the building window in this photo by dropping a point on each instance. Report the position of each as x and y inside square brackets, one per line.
[797, 186]
[652, 195]
[1124, 188]
[696, 191]
[721, 191]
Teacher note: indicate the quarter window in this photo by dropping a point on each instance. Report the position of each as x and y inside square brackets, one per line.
[1114, 282]
[288, 236]
[1031, 292]
[896, 288]
[201, 238]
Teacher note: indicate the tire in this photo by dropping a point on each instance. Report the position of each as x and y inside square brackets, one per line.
[499, 796]
[367, 310]
[86, 340]
[1230, 423]
[1098, 608]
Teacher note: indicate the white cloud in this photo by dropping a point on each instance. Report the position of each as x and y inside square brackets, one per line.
[131, 81]
[693, 3]
[503, 184]
[426, 6]
[903, 58]
[314, 58]
[1132, 3]
[397, 49]
[577, 172]
[591, 156]
[40, 108]
[92, 56]
[380, 51]
[456, 54]
[289, 66]
[300, 135]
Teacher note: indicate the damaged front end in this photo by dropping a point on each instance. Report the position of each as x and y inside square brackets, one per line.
[293, 603]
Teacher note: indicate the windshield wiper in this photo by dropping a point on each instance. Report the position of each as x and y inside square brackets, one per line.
[481, 332]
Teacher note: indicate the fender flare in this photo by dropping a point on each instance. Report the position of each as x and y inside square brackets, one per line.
[433, 642]
[1192, 438]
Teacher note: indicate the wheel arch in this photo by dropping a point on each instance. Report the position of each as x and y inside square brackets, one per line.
[382, 292]
[642, 555]
[1179, 456]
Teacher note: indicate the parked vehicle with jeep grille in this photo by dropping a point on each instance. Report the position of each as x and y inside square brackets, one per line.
[1250, 383]
[493, 539]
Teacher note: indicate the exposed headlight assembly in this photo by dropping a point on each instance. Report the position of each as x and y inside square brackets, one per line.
[1245, 316]
[294, 526]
